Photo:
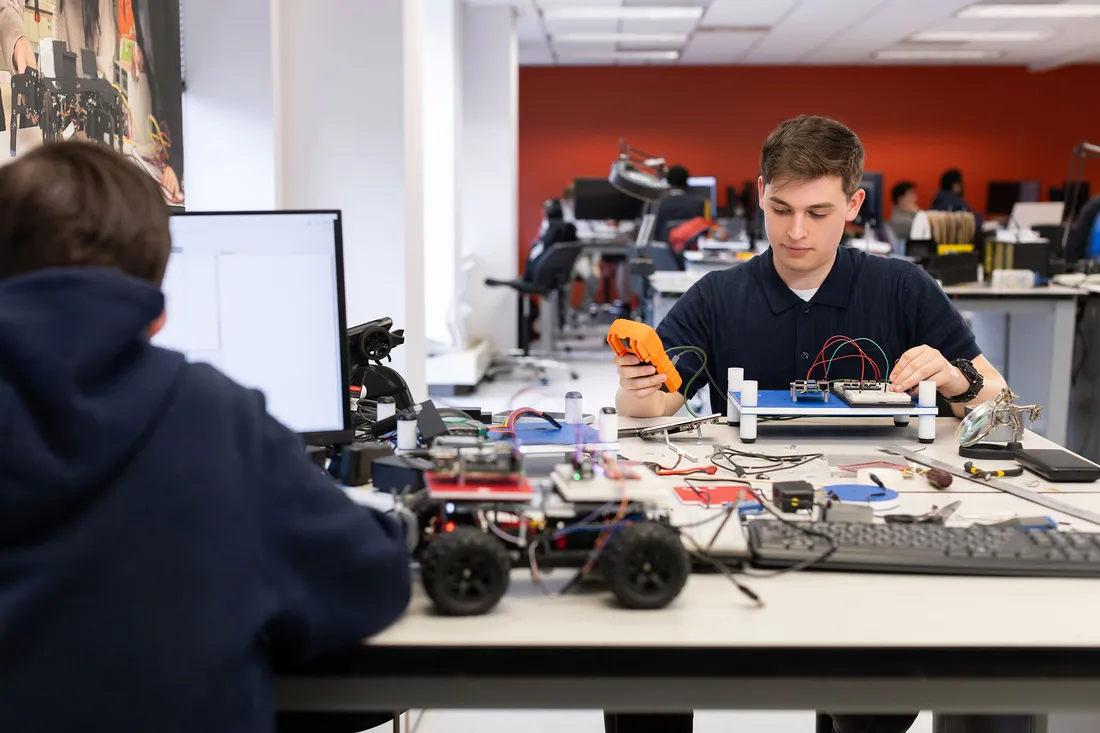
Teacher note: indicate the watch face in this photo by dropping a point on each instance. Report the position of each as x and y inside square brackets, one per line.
[976, 425]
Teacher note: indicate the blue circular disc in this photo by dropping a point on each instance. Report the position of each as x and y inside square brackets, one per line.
[861, 493]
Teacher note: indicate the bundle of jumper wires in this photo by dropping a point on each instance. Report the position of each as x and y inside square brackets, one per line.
[825, 359]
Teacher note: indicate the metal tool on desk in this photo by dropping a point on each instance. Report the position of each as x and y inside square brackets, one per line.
[936, 516]
[998, 473]
[1026, 494]
[983, 422]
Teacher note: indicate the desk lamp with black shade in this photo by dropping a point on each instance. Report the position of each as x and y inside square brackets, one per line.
[641, 176]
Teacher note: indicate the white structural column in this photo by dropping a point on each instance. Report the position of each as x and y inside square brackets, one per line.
[442, 94]
[349, 137]
[489, 170]
[229, 108]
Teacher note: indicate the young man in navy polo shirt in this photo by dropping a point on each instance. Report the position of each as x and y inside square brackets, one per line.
[773, 314]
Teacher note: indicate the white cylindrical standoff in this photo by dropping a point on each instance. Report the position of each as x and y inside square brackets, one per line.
[406, 432]
[387, 407]
[574, 409]
[901, 420]
[926, 428]
[926, 394]
[748, 429]
[734, 379]
[609, 425]
[748, 393]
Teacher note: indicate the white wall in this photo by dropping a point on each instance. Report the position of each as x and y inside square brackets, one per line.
[343, 128]
[228, 116]
[442, 96]
[489, 171]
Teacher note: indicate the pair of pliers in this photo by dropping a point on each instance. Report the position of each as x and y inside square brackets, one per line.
[708, 470]
[969, 467]
[936, 516]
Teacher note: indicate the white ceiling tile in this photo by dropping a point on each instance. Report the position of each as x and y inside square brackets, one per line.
[529, 29]
[535, 55]
[747, 12]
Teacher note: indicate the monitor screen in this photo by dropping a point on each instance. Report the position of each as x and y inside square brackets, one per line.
[706, 186]
[260, 296]
[1001, 196]
[595, 199]
[870, 214]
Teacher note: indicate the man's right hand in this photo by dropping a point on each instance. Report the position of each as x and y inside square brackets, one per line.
[23, 56]
[636, 379]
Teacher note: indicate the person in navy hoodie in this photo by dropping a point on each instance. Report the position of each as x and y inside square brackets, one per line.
[164, 542]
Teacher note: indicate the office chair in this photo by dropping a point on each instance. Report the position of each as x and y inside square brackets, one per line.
[549, 279]
[663, 258]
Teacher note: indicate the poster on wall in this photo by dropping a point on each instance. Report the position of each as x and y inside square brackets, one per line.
[109, 71]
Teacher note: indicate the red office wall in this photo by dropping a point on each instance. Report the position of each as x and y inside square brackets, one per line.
[991, 123]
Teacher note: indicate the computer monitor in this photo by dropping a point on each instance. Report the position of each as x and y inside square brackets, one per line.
[705, 186]
[260, 296]
[870, 214]
[595, 199]
[1001, 196]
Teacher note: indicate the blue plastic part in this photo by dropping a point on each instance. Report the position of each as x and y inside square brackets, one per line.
[862, 493]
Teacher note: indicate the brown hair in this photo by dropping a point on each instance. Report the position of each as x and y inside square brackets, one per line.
[807, 147]
[78, 204]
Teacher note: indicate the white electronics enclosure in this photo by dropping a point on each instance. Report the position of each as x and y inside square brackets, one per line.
[260, 296]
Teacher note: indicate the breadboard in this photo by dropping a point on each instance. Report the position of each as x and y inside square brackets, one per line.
[641, 484]
[862, 394]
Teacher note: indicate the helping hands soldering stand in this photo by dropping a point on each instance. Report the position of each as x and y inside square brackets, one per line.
[984, 419]
[89, 104]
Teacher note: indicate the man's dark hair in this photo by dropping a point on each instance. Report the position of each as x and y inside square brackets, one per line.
[678, 176]
[78, 204]
[950, 178]
[806, 148]
[901, 189]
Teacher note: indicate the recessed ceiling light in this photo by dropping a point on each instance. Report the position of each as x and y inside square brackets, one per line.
[656, 38]
[934, 55]
[616, 12]
[624, 55]
[980, 36]
[1030, 11]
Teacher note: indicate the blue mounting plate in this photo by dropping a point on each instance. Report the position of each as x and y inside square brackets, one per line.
[779, 402]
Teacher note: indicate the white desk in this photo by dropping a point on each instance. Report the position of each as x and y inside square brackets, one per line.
[855, 642]
[1028, 335]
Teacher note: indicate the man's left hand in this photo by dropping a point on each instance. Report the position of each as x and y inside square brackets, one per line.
[923, 363]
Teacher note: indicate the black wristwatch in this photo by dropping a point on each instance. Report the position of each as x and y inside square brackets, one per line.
[977, 381]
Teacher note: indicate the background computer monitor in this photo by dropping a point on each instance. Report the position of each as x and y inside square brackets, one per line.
[1001, 196]
[595, 199]
[1078, 192]
[260, 296]
[705, 186]
[870, 214]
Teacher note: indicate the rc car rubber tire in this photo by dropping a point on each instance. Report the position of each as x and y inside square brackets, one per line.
[645, 565]
[465, 572]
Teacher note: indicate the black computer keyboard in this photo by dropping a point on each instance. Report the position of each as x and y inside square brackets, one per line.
[926, 548]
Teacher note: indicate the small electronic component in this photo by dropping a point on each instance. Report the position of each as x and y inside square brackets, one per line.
[792, 496]
[356, 461]
[632, 337]
[810, 389]
[870, 393]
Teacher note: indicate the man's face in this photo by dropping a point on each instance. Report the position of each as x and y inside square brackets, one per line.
[908, 202]
[805, 220]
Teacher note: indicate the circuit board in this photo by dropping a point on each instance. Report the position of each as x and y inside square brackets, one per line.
[870, 393]
[486, 489]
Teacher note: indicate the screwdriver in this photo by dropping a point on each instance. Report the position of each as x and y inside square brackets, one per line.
[1001, 473]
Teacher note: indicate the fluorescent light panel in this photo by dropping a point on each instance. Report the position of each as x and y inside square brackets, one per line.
[980, 36]
[934, 55]
[1011, 12]
[616, 12]
[674, 38]
[624, 55]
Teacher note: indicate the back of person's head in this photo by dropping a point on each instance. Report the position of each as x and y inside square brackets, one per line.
[78, 204]
[552, 210]
[950, 179]
[900, 190]
[678, 176]
[807, 148]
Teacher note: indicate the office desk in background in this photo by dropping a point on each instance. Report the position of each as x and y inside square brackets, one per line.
[827, 641]
[1027, 334]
